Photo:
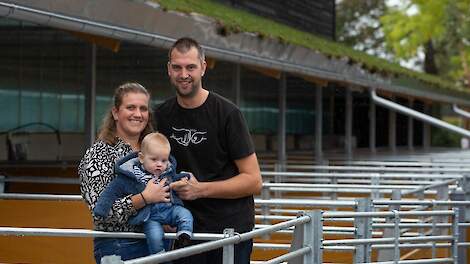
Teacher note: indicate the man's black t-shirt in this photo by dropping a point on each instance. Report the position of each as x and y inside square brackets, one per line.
[205, 141]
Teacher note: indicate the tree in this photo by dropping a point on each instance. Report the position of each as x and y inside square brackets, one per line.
[358, 25]
[439, 29]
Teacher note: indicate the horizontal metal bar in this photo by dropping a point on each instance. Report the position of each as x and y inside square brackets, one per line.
[27, 196]
[330, 185]
[37, 179]
[377, 170]
[271, 246]
[66, 232]
[385, 240]
[305, 202]
[342, 174]
[417, 261]
[388, 214]
[421, 202]
[290, 255]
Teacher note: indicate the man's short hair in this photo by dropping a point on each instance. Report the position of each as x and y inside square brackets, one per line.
[184, 44]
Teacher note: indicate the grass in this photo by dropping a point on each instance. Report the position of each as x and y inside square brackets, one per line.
[232, 20]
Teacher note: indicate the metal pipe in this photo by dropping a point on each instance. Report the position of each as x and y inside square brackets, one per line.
[423, 188]
[34, 179]
[460, 111]
[304, 202]
[418, 115]
[418, 261]
[385, 240]
[290, 255]
[53, 197]
[343, 174]
[388, 214]
[66, 232]
[204, 247]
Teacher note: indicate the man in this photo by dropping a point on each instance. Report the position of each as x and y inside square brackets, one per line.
[209, 138]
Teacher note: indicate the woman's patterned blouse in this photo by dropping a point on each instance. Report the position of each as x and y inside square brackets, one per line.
[96, 170]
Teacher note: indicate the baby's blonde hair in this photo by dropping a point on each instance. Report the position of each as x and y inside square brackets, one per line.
[154, 138]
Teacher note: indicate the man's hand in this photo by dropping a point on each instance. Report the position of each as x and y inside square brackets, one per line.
[188, 189]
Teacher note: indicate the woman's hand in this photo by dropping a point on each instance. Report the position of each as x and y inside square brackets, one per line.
[156, 192]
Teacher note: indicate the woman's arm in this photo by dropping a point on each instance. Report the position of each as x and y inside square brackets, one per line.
[96, 171]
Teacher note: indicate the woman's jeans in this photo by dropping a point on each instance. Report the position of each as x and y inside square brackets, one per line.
[126, 248]
[166, 214]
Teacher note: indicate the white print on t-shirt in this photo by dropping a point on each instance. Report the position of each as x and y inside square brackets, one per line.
[185, 136]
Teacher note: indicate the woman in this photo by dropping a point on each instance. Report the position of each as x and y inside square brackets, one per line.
[122, 130]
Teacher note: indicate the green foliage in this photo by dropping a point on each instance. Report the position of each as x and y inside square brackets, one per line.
[446, 23]
[358, 25]
[405, 33]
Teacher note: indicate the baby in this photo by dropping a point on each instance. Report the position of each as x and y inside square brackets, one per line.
[153, 162]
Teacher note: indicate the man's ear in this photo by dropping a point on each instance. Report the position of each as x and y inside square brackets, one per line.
[204, 66]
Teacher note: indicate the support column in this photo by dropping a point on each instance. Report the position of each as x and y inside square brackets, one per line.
[392, 130]
[90, 98]
[427, 128]
[236, 84]
[410, 127]
[372, 127]
[348, 123]
[331, 124]
[281, 131]
[318, 125]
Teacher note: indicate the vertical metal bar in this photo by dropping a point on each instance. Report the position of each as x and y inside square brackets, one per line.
[265, 194]
[372, 127]
[459, 195]
[318, 125]
[236, 83]
[90, 99]
[392, 130]
[410, 127]
[455, 235]
[363, 231]
[298, 240]
[228, 250]
[434, 233]
[313, 237]
[388, 254]
[281, 131]
[333, 181]
[396, 233]
[277, 178]
[375, 180]
[2, 184]
[442, 195]
[348, 123]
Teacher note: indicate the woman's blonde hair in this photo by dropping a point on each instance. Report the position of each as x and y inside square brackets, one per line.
[107, 131]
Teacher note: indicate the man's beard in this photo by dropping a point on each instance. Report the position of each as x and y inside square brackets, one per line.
[192, 92]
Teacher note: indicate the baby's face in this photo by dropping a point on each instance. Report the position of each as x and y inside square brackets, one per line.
[155, 160]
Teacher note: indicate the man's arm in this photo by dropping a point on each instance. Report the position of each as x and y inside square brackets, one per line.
[247, 183]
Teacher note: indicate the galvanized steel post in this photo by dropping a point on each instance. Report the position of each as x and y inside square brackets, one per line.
[228, 250]
[363, 230]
